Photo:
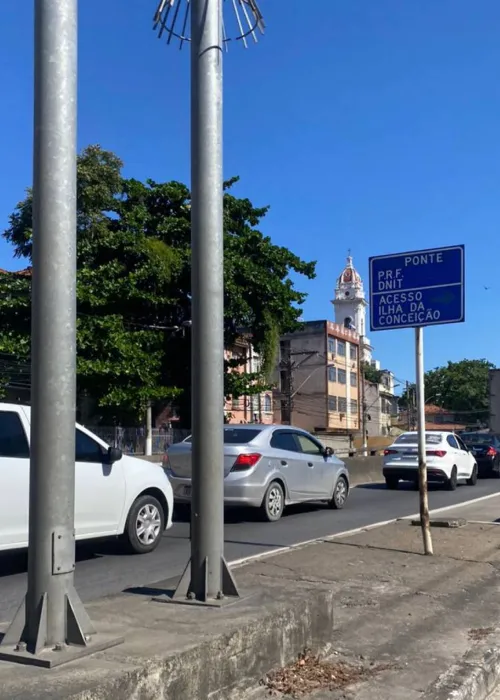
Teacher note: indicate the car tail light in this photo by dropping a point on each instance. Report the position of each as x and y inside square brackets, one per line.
[390, 452]
[245, 461]
[435, 453]
[491, 452]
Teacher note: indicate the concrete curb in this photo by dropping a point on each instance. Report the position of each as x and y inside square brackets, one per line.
[219, 668]
[473, 678]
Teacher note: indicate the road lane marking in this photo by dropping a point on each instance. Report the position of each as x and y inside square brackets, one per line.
[236, 563]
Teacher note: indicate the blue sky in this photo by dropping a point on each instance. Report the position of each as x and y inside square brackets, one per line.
[365, 124]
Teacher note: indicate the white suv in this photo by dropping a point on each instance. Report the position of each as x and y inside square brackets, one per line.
[115, 494]
[448, 460]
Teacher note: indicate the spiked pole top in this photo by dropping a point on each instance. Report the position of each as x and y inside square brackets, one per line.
[243, 20]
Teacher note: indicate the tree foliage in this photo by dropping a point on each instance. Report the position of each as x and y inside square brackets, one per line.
[458, 386]
[371, 373]
[134, 287]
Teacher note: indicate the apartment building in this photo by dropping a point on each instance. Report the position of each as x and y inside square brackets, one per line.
[256, 408]
[317, 379]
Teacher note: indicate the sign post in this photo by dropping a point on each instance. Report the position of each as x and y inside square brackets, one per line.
[413, 290]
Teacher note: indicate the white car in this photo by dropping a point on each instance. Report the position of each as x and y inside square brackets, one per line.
[448, 460]
[115, 494]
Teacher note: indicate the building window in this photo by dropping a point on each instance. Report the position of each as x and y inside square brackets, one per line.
[332, 374]
[341, 376]
[342, 404]
[354, 406]
[353, 351]
[331, 345]
[354, 379]
[332, 403]
[341, 348]
[268, 407]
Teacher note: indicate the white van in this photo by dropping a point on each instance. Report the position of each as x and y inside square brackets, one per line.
[115, 494]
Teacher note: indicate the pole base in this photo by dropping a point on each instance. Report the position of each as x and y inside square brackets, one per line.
[185, 593]
[81, 637]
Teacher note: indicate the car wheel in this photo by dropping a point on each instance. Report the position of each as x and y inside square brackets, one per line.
[273, 504]
[145, 524]
[340, 493]
[391, 482]
[472, 480]
[452, 482]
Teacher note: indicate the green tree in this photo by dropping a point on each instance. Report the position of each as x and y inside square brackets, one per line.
[134, 288]
[458, 386]
[371, 373]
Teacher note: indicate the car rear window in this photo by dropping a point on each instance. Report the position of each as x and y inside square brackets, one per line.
[412, 439]
[236, 436]
[239, 436]
[478, 438]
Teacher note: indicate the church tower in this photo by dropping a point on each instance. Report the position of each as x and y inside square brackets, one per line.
[350, 304]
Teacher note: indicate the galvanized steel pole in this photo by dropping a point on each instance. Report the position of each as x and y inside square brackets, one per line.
[206, 578]
[207, 280]
[422, 463]
[52, 616]
[53, 338]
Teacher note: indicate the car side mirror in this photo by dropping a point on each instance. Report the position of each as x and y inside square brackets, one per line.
[114, 455]
[328, 452]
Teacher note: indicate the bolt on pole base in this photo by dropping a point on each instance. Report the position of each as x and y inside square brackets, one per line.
[186, 595]
[81, 637]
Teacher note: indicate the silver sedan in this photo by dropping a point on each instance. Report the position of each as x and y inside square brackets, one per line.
[267, 467]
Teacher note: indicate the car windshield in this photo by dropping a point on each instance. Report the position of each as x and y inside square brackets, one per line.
[478, 438]
[236, 436]
[412, 439]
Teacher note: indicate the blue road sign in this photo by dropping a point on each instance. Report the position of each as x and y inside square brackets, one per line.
[419, 288]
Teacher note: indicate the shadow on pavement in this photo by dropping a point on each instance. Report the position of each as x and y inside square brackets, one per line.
[403, 486]
[235, 516]
[12, 563]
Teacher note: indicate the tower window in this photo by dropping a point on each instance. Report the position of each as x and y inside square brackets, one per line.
[331, 345]
[332, 374]
[341, 348]
[354, 351]
[342, 376]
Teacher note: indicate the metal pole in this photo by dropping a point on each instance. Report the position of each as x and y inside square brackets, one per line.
[52, 477]
[364, 408]
[52, 615]
[207, 577]
[408, 405]
[207, 544]
[422, 465]
[149, 430]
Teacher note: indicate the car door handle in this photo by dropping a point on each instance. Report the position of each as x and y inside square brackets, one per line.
[310, 464]
[284, 463]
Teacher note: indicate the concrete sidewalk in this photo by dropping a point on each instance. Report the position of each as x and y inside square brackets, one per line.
[389, 620]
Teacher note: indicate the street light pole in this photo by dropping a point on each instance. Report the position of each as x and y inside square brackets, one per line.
[51, 625]
[207, 578]
[207, 285]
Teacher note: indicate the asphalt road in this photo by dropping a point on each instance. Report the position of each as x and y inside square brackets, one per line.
[103, 570]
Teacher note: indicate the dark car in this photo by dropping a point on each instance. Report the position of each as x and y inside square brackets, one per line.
[486, 449]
